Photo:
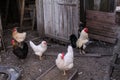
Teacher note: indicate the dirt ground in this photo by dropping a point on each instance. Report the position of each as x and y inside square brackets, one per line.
[89, 68]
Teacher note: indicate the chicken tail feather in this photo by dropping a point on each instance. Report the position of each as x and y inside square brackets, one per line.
[70, 49]
[32, 44]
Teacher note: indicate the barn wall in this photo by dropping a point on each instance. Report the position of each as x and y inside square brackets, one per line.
[40, 17]
[101, 20]
[61, 18]
[102, 25]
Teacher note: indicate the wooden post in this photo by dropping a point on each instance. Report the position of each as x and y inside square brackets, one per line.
[0, 24]
[40, 17]
[22, 12]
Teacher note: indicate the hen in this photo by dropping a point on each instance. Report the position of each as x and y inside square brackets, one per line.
[19, 37]
[39, 49]
[65, 62]
[82, 40]
[20, 51]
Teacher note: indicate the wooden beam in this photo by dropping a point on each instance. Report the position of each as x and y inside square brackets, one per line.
[58, 74]
[67, 4]
[101, 26]
[102, 33]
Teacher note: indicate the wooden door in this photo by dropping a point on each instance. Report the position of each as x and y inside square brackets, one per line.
[61, 18]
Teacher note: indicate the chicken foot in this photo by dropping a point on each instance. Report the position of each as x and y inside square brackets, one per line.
[82, 52]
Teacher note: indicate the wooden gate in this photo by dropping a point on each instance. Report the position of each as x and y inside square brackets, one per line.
[61, 18]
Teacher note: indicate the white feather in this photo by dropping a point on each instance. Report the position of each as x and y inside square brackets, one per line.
[38, 49]
[67, 62]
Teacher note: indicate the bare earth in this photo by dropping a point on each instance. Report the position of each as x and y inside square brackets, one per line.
[89, 68]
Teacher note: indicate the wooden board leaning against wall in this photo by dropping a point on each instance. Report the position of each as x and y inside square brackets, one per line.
[101, 21]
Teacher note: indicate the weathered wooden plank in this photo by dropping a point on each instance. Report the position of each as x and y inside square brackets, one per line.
[102, 38]
[100, 16]
[113, 61]
[54, 73]
[61, 24]
[102, 33]
[40, 17]
[60, 20]
[39, 78]
[65, 19]
[48, 16]
[101, 26]
[56, 18]
[67, 4]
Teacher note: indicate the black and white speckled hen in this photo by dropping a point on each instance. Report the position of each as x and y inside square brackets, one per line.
[20, 51]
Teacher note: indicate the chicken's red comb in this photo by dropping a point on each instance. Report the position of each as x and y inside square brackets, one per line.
[86, 29]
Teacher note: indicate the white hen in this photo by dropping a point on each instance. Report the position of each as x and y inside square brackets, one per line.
[39, 49]
[65, 62]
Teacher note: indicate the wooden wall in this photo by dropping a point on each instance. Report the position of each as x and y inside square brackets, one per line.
[40, 17]
[102, 25]
[61, 18]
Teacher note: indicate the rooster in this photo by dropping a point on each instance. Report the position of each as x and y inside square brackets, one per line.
[20, 51]
[65, 62]
[82, 40]
[19, 37]
[39, 49]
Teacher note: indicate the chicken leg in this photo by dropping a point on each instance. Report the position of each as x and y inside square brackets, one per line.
[40, 57]
[82, 52]
[64, 73]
